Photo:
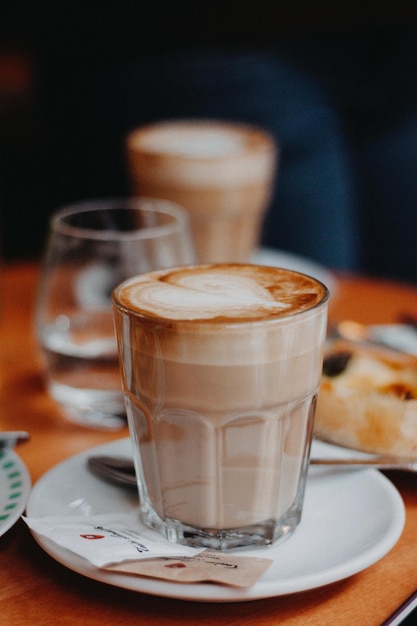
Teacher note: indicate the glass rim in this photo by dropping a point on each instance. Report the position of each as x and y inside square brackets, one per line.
[238, 323]
[178, 223]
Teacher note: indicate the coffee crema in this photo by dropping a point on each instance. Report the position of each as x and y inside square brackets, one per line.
[226, 292]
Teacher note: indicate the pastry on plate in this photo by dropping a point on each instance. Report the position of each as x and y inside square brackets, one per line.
[368, 399]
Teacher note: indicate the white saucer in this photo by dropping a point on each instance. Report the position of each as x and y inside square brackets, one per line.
[351, 519]
[15, 486]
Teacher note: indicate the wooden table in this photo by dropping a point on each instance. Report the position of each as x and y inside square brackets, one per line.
[34, 589]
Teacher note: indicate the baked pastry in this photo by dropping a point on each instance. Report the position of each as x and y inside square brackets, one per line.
[368, 399]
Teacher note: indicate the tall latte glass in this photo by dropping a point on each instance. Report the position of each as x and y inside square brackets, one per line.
[222, 173]
[221, 366]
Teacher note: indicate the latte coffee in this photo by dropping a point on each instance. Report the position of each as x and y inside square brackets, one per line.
[221, 365]
[221, 173]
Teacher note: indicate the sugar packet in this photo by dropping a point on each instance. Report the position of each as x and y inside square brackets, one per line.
[107, 538]
[213, 567]
[119, 543]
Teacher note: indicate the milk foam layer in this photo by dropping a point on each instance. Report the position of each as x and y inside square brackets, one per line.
[201, 154]
[223, 292]
[197, 139]
[197, 142]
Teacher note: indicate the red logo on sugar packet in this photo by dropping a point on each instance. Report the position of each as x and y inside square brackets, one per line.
[92, 536]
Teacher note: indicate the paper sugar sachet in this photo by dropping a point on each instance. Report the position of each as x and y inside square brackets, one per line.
[116, 543]
[108, 538]
[215, 567]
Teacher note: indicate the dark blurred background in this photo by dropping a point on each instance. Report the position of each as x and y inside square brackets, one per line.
[335, 82]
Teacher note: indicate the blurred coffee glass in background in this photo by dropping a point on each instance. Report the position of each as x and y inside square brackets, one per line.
[221, 172]
[92, 247]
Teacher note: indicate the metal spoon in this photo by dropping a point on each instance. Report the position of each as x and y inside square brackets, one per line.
[377, 461]
[116, 469]
[121, 471]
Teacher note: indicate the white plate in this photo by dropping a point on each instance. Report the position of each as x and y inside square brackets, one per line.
[351, 519]
[14, 489]
[279, 258]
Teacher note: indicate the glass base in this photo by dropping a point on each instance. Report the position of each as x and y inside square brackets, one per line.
[261, 534]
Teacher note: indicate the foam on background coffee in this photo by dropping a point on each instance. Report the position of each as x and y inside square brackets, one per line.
[221, 366]
[221, 172]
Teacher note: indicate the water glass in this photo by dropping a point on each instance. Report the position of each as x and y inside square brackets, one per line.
[93, 246]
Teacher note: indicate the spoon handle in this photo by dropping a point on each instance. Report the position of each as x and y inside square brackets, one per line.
[382, 461]
[120, 470]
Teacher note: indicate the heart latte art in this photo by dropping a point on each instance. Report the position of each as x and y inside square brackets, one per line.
[221, 291]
